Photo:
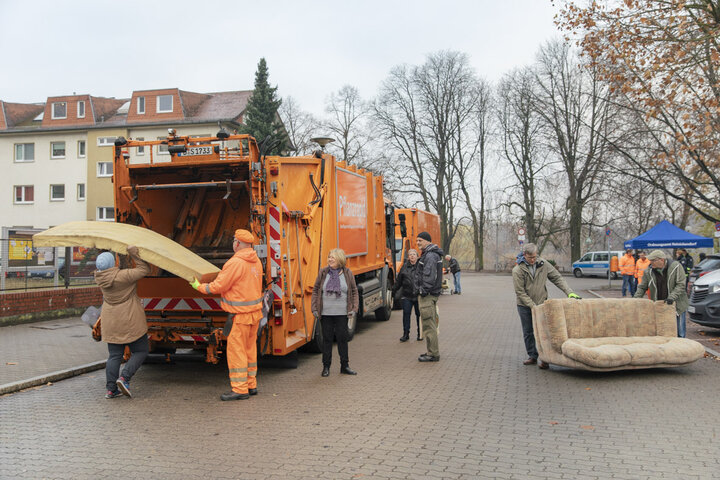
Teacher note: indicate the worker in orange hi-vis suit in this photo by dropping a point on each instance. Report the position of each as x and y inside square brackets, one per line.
[240, 284]
[641, 265]
[627, 270]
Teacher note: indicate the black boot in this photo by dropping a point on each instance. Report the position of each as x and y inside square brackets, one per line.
[405, 337]
[347, 370]
[325, 372]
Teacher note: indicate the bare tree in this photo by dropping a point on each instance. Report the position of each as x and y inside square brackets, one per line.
[521, 131]
[575, 106]
[426, 113]
[300, 125]
[346, 123]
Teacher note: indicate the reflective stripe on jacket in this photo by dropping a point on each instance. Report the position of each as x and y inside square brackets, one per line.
[239, 283]
[627, 265]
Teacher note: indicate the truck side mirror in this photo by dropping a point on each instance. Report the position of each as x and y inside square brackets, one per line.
[403, 227]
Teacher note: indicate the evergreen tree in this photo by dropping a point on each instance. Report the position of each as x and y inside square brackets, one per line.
[261, 119]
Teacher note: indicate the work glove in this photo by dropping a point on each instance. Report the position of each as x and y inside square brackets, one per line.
[574, 295]
[669, 301]
[423, 293]
[195, 283]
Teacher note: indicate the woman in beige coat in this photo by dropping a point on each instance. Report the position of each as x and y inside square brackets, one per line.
[123, 319]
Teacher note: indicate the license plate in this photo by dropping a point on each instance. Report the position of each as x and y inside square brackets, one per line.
[193, 151]
[691, 309]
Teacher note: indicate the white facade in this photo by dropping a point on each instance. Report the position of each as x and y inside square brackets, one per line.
[53, 167]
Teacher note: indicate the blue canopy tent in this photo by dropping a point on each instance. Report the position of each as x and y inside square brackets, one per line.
[667, 235]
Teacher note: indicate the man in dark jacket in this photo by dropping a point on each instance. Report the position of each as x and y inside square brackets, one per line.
[455, 270]
[429, 285]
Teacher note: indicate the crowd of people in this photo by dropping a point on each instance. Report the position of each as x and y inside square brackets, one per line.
[633, 265]
[334, 302]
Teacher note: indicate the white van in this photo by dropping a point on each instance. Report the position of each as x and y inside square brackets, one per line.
[596, 264]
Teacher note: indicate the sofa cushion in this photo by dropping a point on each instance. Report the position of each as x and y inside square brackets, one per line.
[608, 352]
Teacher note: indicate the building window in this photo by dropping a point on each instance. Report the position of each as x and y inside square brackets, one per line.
[24, 152]
[106, 141]
[162, 149]
[140, 150]
[57, 149]
[24, 194]
[105, 214]
[81, 109]
[81, 191]
[59, 110]
[164, 103]
[81, 148]
[57, 193]
[141, 106]
[104, 169]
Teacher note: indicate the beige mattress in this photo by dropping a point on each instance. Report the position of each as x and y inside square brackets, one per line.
[153, 247]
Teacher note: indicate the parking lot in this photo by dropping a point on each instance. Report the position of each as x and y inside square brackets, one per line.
[478, 413]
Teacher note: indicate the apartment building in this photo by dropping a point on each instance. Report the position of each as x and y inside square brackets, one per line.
[58, 155]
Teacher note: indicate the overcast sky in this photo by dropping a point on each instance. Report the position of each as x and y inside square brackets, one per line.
[110, 48]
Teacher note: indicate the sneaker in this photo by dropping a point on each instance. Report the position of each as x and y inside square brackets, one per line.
[124, 386]
[113, 394]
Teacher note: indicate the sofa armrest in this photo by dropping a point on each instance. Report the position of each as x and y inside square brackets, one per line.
[551, 318]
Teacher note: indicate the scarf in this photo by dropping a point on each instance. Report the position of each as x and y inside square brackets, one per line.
[333, 284]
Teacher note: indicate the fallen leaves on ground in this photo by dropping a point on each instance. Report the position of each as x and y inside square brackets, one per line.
[587, 427]
[553, 423]
[11, 363]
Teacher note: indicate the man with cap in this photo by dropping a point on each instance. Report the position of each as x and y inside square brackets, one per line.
[123, 321]
[665, 280]
[428, 280]
[240, 286]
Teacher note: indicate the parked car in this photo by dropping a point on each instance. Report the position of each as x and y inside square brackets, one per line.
[596, 264]
[704, 308]
[710, 264]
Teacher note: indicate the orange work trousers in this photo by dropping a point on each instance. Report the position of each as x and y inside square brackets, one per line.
[242, 352]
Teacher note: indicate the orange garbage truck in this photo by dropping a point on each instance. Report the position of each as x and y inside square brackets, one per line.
[201, 189]
[408, 223]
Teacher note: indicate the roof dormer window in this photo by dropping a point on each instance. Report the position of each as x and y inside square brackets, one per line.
[81, 109]
[164, 103]
[59, 110]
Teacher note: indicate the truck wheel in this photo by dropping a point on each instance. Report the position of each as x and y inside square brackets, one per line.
[578, 273]
[315, 344]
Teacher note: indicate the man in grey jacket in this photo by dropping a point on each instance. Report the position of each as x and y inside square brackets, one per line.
[666, 281]
[530, 277]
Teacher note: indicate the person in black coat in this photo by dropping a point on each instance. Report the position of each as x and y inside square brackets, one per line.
[405, 283]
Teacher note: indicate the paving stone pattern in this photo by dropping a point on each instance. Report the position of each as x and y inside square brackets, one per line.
[35, 349]
[476, 414]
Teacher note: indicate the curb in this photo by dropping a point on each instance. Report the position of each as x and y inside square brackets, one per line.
[707, 349]
[51, 377]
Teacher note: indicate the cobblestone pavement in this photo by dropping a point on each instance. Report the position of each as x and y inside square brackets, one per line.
[35, 349]
[478, 413]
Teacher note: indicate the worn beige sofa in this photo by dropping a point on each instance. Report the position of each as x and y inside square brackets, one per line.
[611, 334]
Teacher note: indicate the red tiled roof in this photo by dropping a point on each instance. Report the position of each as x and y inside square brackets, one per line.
[13, 114]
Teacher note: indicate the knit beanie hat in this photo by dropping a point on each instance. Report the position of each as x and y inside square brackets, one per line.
[104, 261]
[425, 236]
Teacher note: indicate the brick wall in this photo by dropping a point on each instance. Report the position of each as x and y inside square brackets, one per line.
[13, 304]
